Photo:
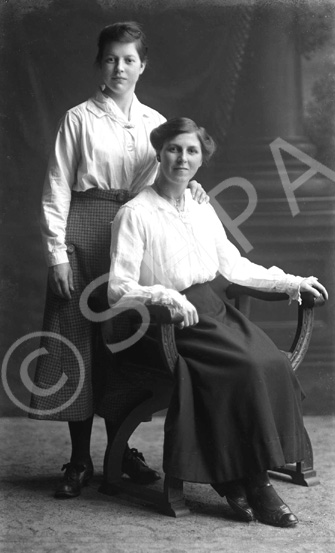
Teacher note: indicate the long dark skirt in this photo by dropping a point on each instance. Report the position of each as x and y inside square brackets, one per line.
[236, 404]
[236, 407]
[88, 243]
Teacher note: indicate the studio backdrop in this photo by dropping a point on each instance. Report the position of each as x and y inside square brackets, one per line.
[233, 67]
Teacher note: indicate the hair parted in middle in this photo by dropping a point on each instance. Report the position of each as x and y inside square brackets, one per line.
[181, 125]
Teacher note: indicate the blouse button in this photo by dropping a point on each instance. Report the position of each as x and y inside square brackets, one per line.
[70, 248]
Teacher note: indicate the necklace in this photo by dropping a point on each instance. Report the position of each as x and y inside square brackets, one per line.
[177, 202]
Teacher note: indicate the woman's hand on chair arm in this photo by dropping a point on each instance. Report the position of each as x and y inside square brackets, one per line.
[190, 315]
[311, 284]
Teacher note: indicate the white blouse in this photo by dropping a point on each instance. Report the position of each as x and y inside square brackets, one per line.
[156, 251]
[96, 146]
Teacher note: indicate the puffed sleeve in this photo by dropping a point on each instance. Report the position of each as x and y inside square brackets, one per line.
[128, 249]
[58, 183]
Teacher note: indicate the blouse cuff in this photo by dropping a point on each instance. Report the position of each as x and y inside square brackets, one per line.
[293, 288]
[57, 257]
[156, 294]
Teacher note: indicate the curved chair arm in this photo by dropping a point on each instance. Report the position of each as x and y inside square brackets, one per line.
[305, 321]
[162, 313]
[165, 318]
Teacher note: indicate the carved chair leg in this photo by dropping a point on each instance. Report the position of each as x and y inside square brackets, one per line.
[112, 479]
[303, 473]
[112, 472]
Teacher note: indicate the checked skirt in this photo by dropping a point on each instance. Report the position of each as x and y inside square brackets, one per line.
[69, 390]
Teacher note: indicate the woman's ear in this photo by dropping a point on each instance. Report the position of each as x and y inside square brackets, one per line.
[143, 64]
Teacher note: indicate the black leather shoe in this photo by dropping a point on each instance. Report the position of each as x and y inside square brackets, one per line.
[134, 465]
[260, 500]
[76, 476]
[236, 496]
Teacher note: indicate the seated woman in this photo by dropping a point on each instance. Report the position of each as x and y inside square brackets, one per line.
[236, 408]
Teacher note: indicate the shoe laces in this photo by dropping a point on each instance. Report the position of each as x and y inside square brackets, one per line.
[133, 453]
[71, 470]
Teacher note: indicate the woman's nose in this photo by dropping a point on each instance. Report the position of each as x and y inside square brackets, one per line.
[182, 157]
[119, 66]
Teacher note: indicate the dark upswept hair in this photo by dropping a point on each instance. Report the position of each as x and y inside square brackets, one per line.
[180, 125]
[124, 31]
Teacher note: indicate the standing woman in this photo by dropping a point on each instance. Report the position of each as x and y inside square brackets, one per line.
[102, 157]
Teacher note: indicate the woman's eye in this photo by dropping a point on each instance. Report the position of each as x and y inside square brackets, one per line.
[130, 60]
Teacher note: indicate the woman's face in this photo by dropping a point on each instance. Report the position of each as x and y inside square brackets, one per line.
[180, 158]
[121, 67]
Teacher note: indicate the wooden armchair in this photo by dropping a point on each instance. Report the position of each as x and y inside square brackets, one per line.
[171, 500]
